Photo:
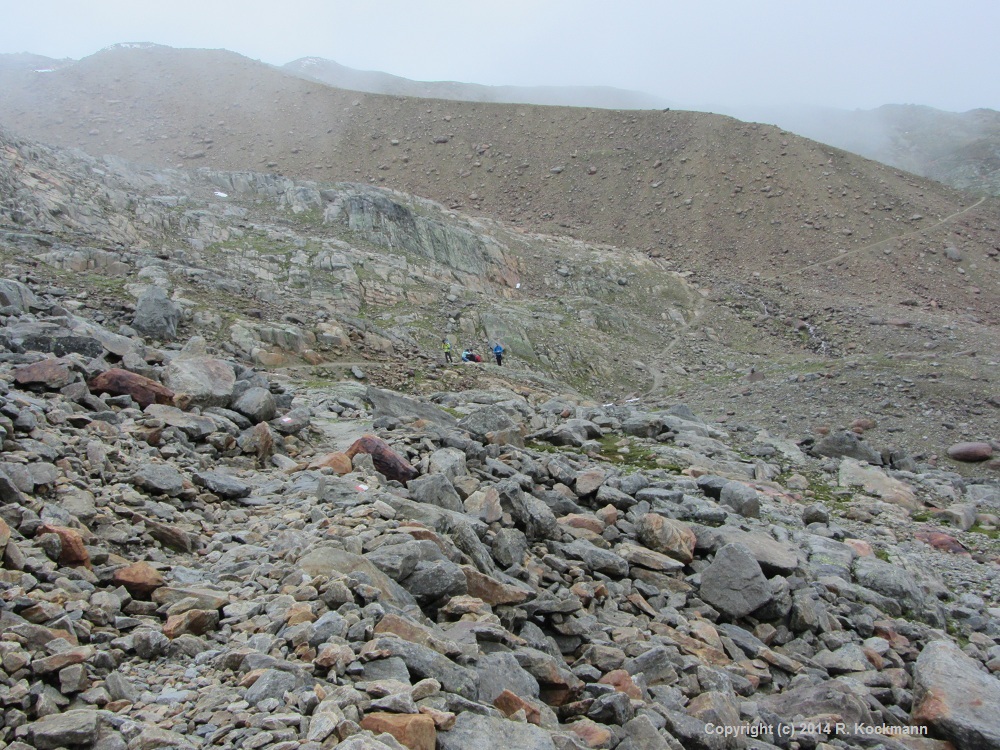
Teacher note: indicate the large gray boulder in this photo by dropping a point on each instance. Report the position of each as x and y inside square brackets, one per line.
[734, 583]
[492, 733]
[841, 444]
[891, 581]
[159, 479]
[437, 490]
[389, 404]
[208, 381]
[954, 696]
[492, 424]
[15, 294]
[73, 728]
[256, 404]
[156, 315]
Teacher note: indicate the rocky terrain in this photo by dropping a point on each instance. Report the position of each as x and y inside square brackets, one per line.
[246, 504]
[196, 554]
[956, 148]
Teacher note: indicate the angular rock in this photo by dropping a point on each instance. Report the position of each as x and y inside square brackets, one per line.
[389, 404]
[661, 534]
[431, 581]
[490, 733]
[647, 558]
[69, 729]
[741, 498]
[159, 479]
[435, 489]
[493, 425]
[156, 315]
[891, 581]
[144, 391]
[205, 380]
[841, 444]
[387, 462]
[528, 512]
[273, 683]
[222, 484]
[48, 373]
[500, 671]
[955, 697]
[414, 731]
[192, 425]
[256, 404]
[597, 559]
[774, 557]
[17, 295]
[733, 583]
[73, 551]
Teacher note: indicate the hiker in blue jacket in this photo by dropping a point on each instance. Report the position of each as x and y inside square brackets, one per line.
[498, 352]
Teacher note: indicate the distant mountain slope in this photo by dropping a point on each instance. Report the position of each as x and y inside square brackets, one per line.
[959, 149]
[375, 82]
[28, 61]
[735, 202]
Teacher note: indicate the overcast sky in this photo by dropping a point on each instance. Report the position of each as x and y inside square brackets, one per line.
[695, 53]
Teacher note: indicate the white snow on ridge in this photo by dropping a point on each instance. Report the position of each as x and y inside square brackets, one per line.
[132, 45]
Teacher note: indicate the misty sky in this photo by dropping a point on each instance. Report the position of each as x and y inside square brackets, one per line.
[694, 53]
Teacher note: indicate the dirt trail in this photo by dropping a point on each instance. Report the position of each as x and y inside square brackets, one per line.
[859, 250]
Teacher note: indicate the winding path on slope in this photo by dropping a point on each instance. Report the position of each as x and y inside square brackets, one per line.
[658, 372]
[859, 250]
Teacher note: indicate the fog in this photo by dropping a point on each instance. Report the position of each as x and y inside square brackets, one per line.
[707, 55]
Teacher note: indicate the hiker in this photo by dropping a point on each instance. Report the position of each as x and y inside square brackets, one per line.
[446, 346]
[498, 352]
[466, 356]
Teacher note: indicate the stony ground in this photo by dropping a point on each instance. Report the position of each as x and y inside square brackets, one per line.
[688, 500]
[196, 555]
[809, 259]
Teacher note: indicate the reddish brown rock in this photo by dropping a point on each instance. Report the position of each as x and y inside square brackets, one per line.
[193, 622]
[943, 542]
[970, 451]
[73, 550]
[490, 590]
[338, 461]
[621, 681]
[581, 521]
[387, 462]
[589, 481]
[860, 546]
[443, 720]
[592, 733]
[144, 391]
[54, 663]
[415, 731]
[4, 535]
[140, 579]
[673, 538]
[299, 613]
[335, 656]
[510, 703]
[48, 373]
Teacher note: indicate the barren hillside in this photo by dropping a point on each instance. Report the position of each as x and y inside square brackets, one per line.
[703, 192]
